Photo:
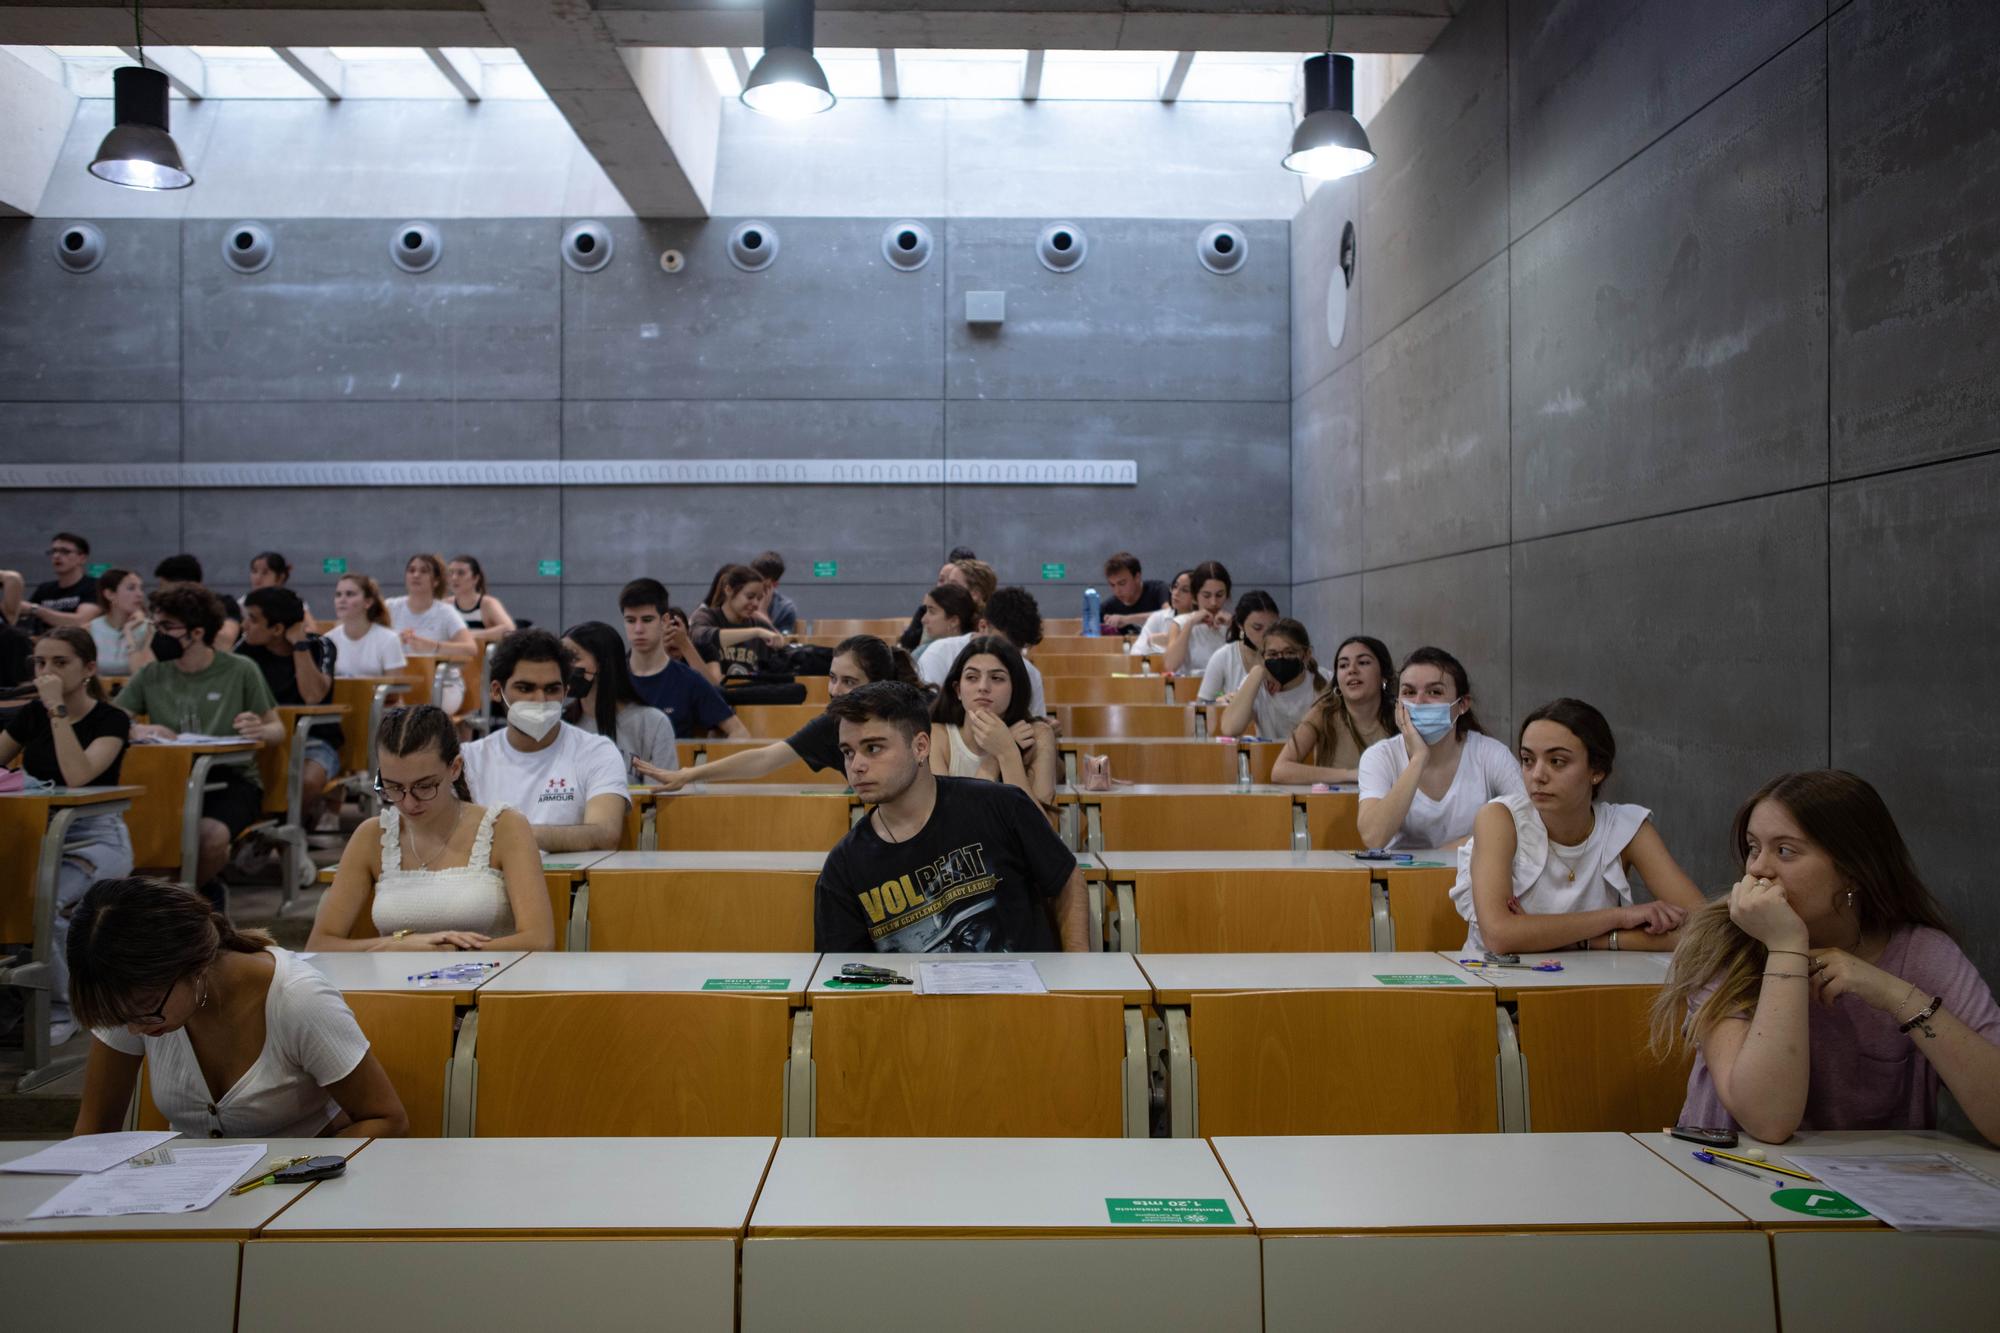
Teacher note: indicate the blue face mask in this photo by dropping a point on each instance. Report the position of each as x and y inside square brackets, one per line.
[1432, 721]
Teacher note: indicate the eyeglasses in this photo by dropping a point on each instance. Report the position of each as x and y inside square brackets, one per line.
[396, 793]
[159, 1014]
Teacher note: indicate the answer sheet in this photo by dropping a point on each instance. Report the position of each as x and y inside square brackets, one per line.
[1931, 1191]
[87, 1154]
[1016, 978]
[189, 1180]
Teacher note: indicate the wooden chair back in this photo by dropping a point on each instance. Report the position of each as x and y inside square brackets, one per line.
[1253, 911]
[697, 911]
[1588, 1065]
[1223, 822]
[1123, 721]
[1421, 910]
[1103, 690]
[1079, 664]
[1346, 1062]
[1169, 762]
[1332, 820]
[774, 722]
[750, 820]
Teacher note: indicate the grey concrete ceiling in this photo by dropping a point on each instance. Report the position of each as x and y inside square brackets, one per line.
[1374, 26]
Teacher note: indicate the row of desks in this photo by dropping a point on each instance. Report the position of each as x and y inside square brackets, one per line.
[1280, 1234]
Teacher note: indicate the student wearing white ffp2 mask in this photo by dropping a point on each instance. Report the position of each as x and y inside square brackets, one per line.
[569, 783]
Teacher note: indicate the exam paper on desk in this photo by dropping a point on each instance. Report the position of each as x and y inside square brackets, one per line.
[1932, 1191]
[1012, 978]
[191, 1180]
[87, 1154]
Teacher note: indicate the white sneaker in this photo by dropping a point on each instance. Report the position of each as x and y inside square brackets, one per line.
[61, 1030]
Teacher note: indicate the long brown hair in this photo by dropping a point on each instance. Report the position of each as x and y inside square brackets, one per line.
[378, 610]
[434, 563]
[139, 937]
[1293, 630]
[407, 731]
[85, 648]
[1845, 818]
[728, 581]
[1329, 710]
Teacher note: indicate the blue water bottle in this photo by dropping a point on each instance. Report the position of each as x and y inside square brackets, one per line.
[1092, 617]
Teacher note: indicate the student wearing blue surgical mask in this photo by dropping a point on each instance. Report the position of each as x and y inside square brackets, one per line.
[1423, 787]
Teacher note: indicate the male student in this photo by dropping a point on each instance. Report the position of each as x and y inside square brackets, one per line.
[778, 608]
[569, 783]
[663, 665]
[299, 668]
[69, 600]
[1011, 613]
[940, 864]
[176, 570]
[1132, 599]
[190, 687]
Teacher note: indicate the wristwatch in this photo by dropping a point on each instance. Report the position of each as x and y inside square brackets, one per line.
[60, 710]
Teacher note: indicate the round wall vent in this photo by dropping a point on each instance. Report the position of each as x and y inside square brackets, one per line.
[907, 245]
[1062, 246]
[752, 246]
[79, 247]
[586, 247]
[247, 247]
[416, 247]
[1222, 248]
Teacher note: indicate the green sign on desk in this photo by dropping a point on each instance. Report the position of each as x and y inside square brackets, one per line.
[333, 564]
[1170, 1212]
[1818, 1203]
[1418, 979]
[825, 569]
[1053, 572]
[549, 569]
[746, 983]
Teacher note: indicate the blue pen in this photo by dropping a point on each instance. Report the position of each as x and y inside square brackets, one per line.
[1711, 1159]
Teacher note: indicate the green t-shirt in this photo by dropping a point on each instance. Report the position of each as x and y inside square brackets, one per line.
[205, 701]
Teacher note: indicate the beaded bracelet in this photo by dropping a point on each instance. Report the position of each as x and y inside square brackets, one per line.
[1923, 1019]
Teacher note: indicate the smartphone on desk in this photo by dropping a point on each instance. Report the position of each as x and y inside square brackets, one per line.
[313, 1168]
[1708, 1137]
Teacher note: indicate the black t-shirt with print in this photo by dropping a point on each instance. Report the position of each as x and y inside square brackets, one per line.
[977, 878]
[37, 737]
[1152, 596]
[281, 673]
[58, 598]
[818, 743]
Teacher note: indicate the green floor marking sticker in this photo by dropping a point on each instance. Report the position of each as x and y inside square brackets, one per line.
[1818, 1203]
[1170, 1212]
[1418, 979]
[745, 983]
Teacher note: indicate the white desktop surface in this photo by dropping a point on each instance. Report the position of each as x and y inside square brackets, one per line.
[544, 973]
[393, 969]
[1177, 976]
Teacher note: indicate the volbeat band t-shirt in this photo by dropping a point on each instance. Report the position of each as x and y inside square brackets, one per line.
[977, 878]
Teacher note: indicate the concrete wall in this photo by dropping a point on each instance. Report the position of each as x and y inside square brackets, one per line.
[164, 355]
[1668, 381]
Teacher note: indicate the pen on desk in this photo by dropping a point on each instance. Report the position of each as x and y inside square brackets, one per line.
[1712, 1160]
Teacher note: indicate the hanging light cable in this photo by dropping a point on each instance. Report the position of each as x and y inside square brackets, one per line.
[788, 82]
[1329, 142]
[138, 152]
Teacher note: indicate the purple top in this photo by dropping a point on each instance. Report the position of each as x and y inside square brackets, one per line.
[1865, 1074]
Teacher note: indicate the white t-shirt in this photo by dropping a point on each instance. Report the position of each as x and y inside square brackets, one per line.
[1486, 769]
[934, 668]
[1204, 642]
[377, 653]
[549, 786]
[1152, 636]
[1224, 673]
[311, 1042]
[1278, 715]
[1550, 879]
[440, 620]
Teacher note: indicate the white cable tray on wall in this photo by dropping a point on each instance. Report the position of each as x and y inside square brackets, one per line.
[579, 472]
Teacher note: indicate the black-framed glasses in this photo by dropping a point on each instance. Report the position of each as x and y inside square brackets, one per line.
[396, 793]
[159, 1014]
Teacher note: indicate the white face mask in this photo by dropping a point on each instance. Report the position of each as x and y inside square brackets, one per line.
[535, 719]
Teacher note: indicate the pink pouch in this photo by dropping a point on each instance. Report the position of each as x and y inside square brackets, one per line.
[1094, 772]
[12, 780]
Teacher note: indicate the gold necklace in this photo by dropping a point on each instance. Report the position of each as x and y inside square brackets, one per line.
[1583, 846]
[425, 864]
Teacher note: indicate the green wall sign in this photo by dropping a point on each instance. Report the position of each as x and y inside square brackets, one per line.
[333, 564]
[96, 571]
[549, 569]
[825, 569]
[1054, 571]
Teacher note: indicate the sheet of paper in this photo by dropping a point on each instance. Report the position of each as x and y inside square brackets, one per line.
[197, 738]
[1015, 978]
[190, 1182]
[1911, 1191]
[87, 1154]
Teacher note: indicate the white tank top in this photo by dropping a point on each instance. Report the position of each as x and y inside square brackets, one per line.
[964, 761]
[470, 897]
[1551, 878]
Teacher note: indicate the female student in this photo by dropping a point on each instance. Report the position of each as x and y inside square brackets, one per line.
[241, 1039]
[1278, 692]
[433, 871]
[366, 644]
[1242, 647]
[732, 618]
[1825, 991]
[71, 735]
[981, 726]
[123, 634]
[482, 612]
[948, 610]
[428, 624]
[1423, 786]
[1198, 634]
[1158, 627]
[1551, 870]
[1344, 720]
[603, 702]
[857, 661]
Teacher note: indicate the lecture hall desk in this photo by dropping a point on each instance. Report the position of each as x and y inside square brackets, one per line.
[513, 1236]
[1838, 1272]
[1513, 1233]
[98, 1274]
[995, 1236]
[1109, 974]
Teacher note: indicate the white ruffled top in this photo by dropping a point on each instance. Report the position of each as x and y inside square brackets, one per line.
[1543, 882]
[471, 897]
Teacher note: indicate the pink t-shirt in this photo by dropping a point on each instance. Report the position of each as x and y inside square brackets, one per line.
[1865, 1074]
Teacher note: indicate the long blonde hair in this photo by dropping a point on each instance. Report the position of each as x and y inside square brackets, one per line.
[1847, 819]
